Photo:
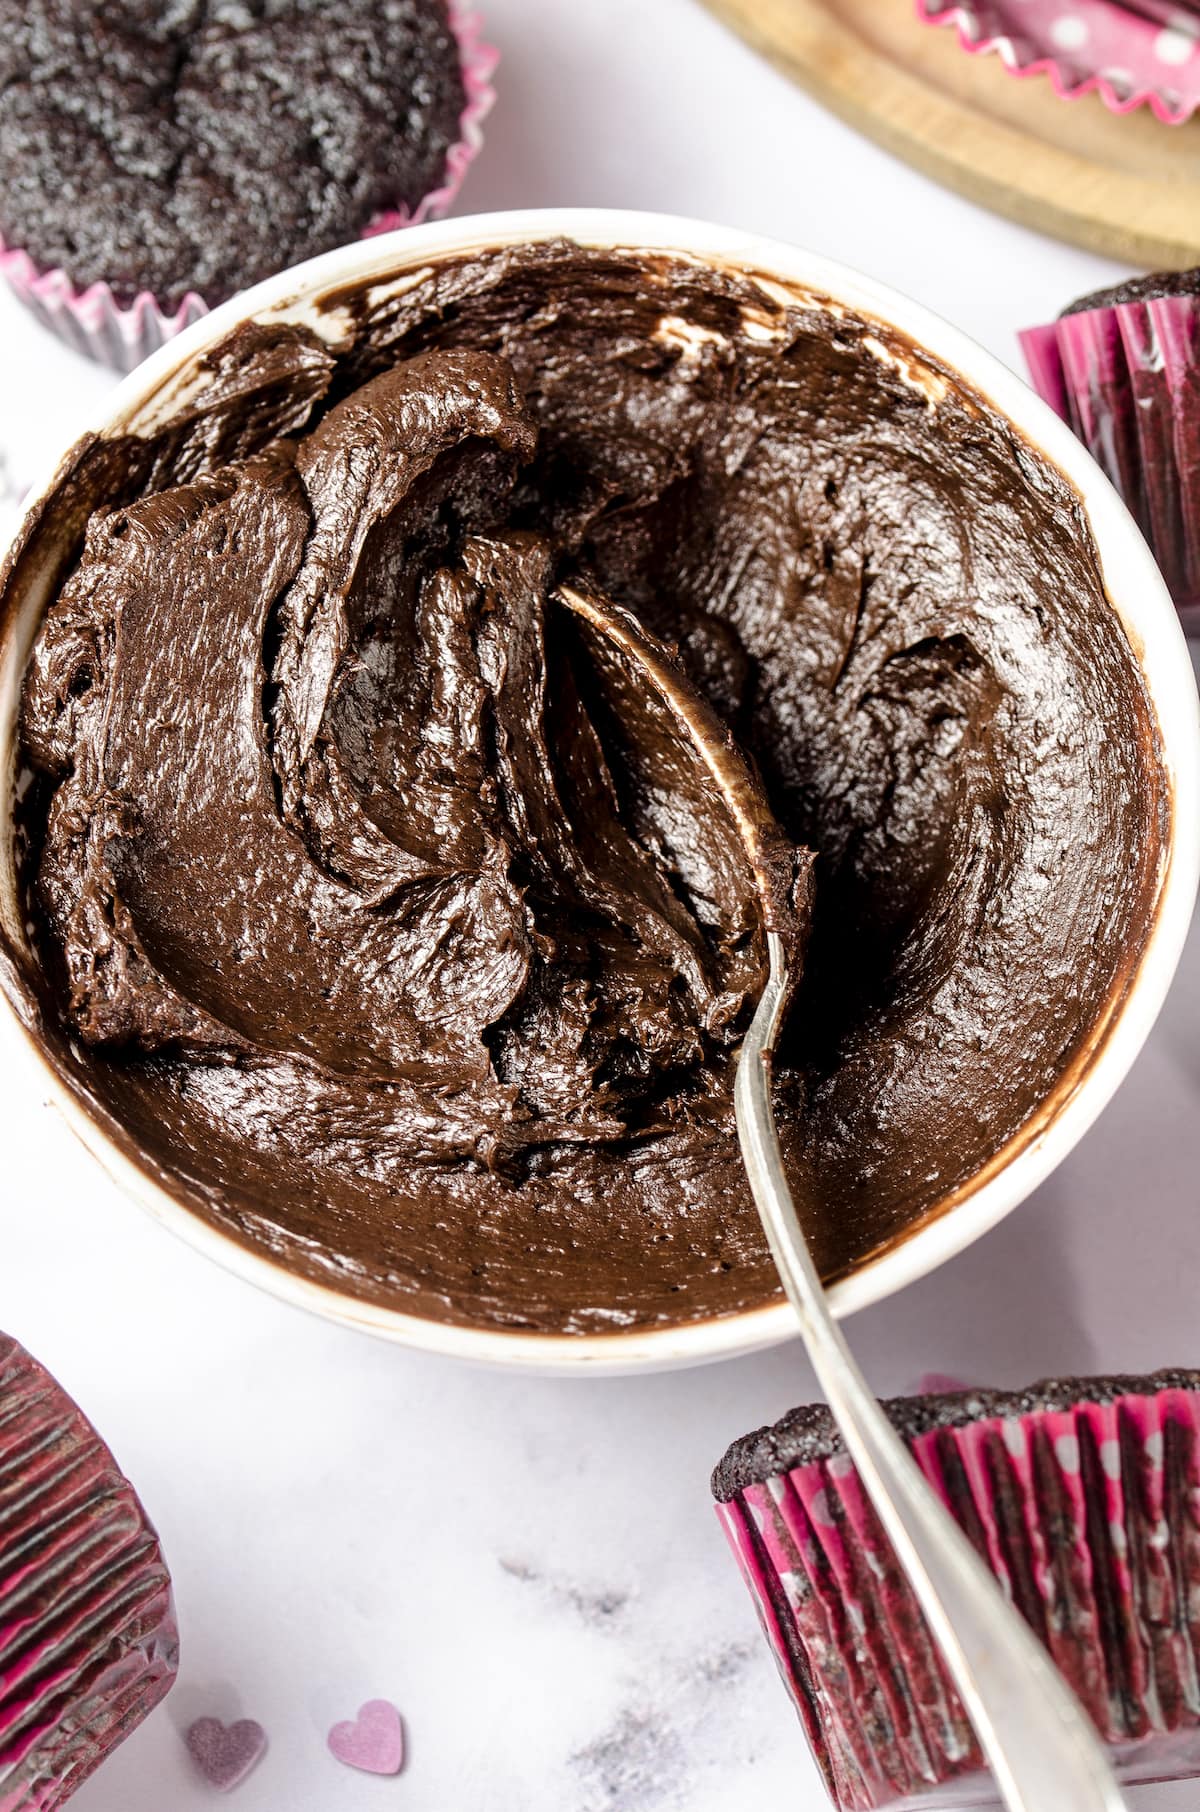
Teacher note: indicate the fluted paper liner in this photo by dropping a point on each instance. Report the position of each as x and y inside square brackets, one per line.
[88, 1643]
[1120, 52]
[1085, 1502]
[1126, 379]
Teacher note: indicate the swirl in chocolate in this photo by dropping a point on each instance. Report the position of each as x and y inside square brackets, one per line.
[404, 937]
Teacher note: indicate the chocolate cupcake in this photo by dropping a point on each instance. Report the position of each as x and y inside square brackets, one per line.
[1083, 1496]
[1120, 367]
[87, 1634]
[159, 159]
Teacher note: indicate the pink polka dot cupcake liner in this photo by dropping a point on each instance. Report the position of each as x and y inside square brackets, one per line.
[1084, 1500]
[1126, 378]
[122, 335]
[88, 1643]
[1132, 53]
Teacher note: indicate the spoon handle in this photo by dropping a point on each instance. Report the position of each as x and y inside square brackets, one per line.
[1041, 1747]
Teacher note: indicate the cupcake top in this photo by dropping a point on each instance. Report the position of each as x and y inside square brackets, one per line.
[1137, 289]
[809, 1433]
[204, 144]
[360, 918]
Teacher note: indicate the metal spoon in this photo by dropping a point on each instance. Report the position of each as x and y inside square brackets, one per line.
[1042, 1748]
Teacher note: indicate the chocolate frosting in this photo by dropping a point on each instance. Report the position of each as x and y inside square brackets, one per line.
[400, 930]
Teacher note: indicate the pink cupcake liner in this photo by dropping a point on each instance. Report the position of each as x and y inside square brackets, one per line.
[88, 1643]
[1126, 378]
[1166, 12]
[1086, 1508]
[1122, 52]
[122, 335]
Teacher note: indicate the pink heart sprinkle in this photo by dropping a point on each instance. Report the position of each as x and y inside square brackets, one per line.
[225, 1753]
[374, 1741]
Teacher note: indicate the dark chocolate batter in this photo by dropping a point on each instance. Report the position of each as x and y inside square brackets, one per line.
[380, 919]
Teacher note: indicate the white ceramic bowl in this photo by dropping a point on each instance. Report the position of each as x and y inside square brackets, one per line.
[1137, 593]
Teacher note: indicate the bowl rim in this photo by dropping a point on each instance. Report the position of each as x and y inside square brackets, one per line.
[1133, 584]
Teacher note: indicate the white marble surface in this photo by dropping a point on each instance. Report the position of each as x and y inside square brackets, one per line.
[531, 1569]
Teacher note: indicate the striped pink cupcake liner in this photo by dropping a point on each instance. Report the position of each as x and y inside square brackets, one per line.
[88, 1643]
[122, 335]
[1132, 53]
[1126, 379]
[1089, 1516]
